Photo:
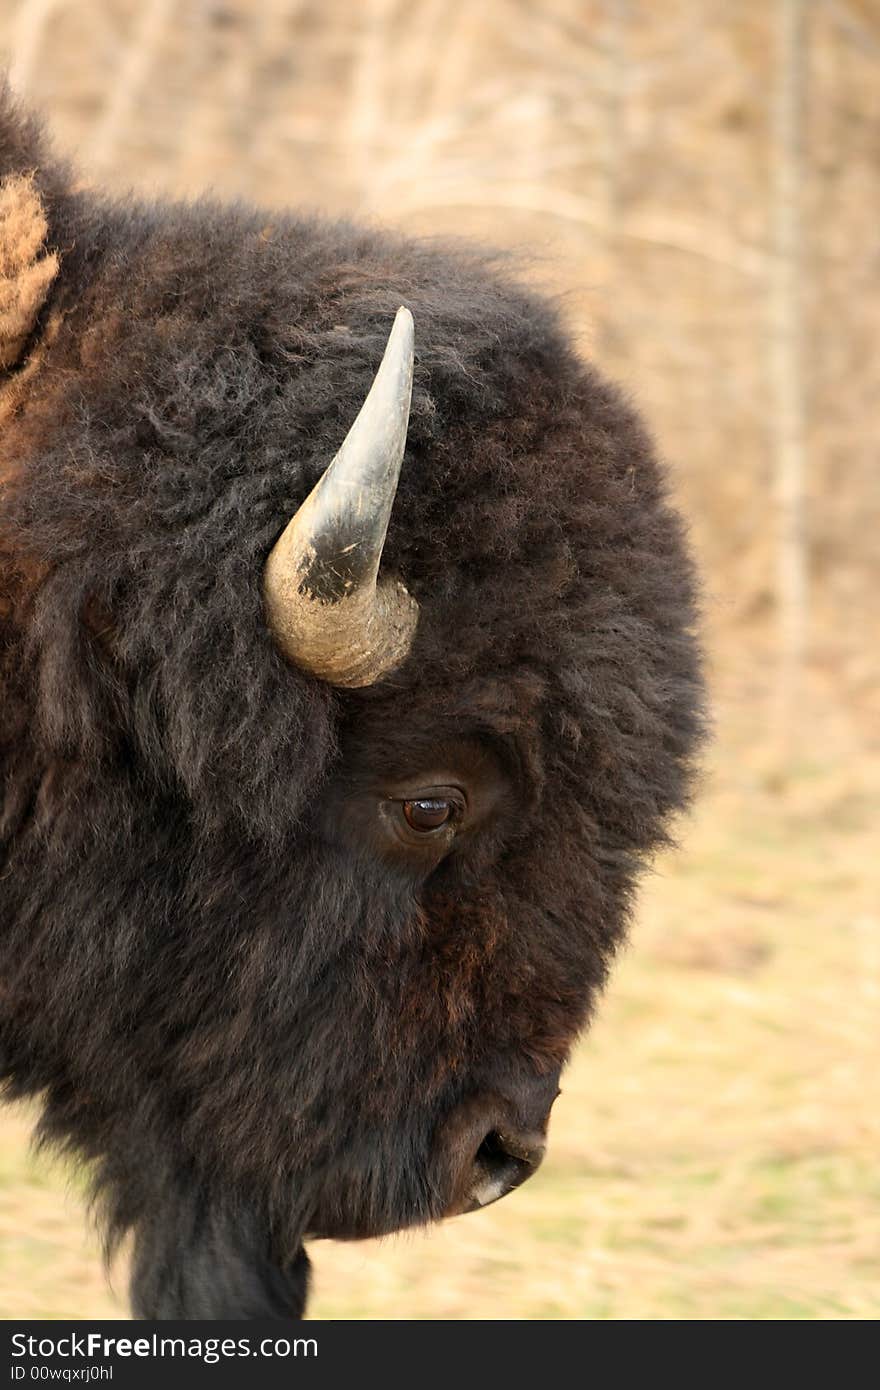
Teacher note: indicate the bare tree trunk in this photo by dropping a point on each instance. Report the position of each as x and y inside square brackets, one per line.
[28, 31]
[367, 117]
[133, 72]
[788, 410]
[612, 39]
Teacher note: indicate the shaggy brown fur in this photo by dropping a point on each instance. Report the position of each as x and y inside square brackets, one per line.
[25, 274]
[252, 1023]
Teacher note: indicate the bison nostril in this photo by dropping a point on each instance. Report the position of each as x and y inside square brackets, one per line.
[499, 1150]
[527, 1148]
[490, 1143]
[491, 1151]
[503, 1161]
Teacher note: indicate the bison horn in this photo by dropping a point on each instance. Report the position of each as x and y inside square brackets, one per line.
[327, 609]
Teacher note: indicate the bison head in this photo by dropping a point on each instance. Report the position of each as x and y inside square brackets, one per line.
[341, 703]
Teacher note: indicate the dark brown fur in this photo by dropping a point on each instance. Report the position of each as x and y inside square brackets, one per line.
[251, 1027]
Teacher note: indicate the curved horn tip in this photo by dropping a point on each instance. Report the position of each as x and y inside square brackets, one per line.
[331, 612]
[403, 316]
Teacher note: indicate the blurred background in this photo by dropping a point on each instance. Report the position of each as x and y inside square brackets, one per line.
[698, 183]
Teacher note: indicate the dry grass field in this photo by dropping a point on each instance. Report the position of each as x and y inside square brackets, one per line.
[701, 187]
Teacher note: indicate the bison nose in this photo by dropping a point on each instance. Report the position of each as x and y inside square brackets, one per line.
[503, 1161]
[491, 1143]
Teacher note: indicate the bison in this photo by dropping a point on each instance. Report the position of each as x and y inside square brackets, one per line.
[348, 675]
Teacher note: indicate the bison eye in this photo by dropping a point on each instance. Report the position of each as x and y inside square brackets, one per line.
[422, 820]
[433, 814]
[428, 813]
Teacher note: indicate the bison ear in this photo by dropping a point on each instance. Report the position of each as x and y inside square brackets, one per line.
[26, 269]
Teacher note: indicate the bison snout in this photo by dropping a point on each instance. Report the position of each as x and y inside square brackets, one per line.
[502, 1162]
[491, 1144]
